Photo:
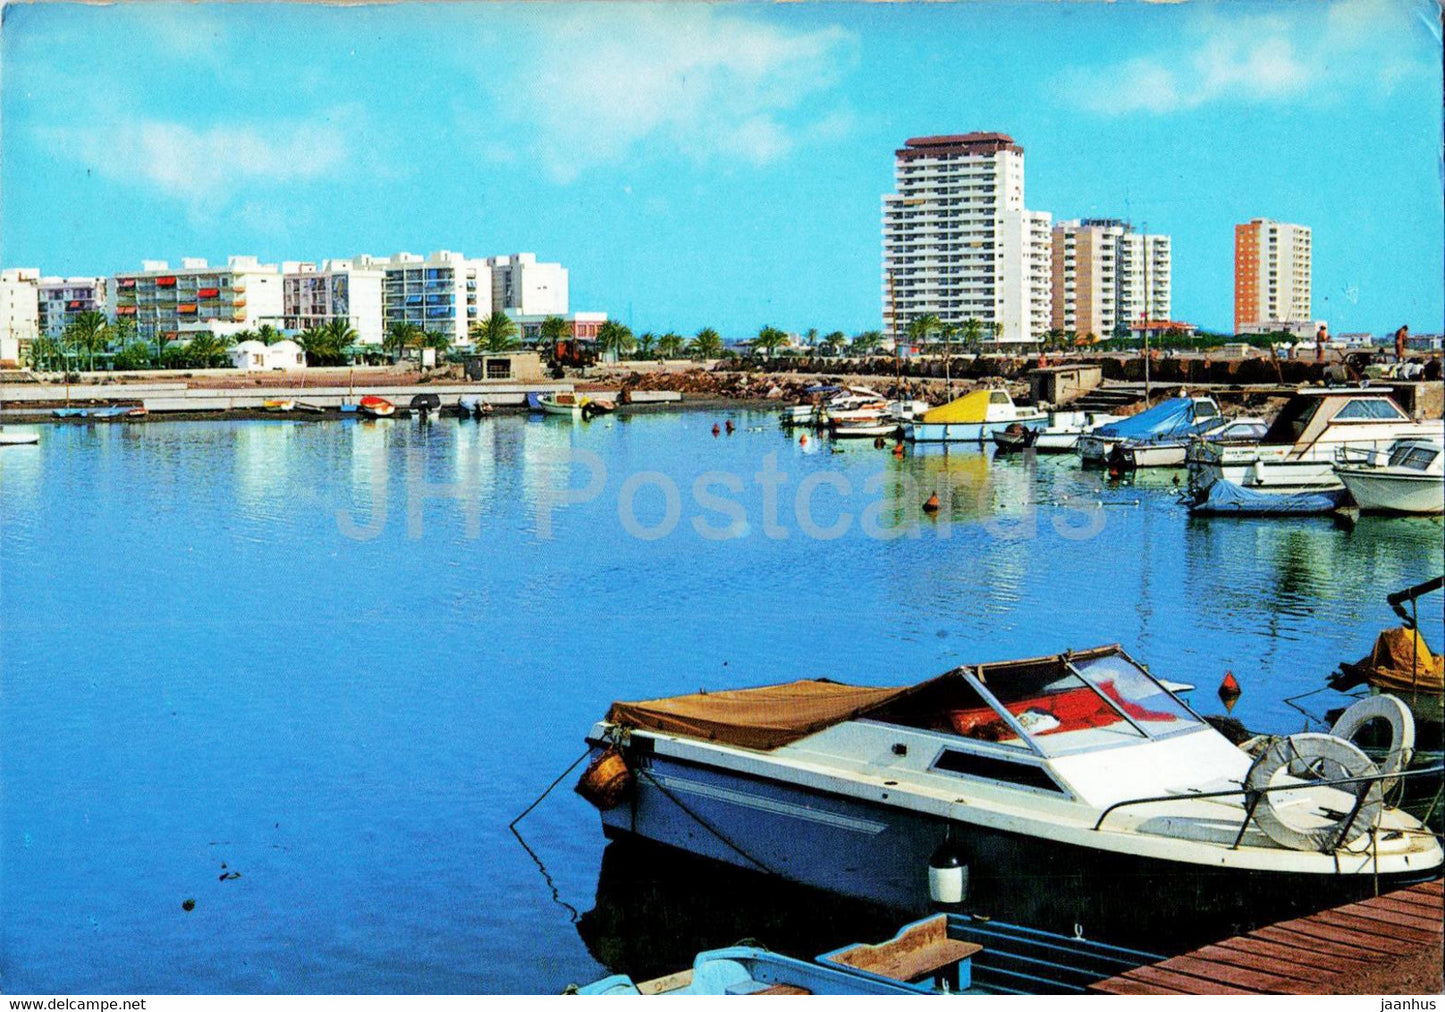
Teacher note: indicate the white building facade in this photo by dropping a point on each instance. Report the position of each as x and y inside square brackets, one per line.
[61, 300]
[313, 296]
[959, 243]
[1108, 278]
[173, 304]
[444, 292]
[19, 312]
[1273, 264]
[523, 287]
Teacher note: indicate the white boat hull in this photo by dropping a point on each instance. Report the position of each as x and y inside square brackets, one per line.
[864, 430]
[18, 438]
[964, 432]
[1374, 491]
[1159, 455]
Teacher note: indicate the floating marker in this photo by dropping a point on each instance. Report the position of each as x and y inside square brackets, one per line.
[1229, 691]
[715, 429]
[930, 506]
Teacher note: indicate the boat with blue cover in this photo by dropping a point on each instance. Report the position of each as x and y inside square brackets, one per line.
[1175, 419]
[1083, 763]
[1292, 469]
[942, 954]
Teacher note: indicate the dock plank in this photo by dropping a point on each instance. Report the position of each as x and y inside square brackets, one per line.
[1370, 926]
[1296, 977]
[1435, 887]
[1369, 944]
[1307, 960]
[1387, 916]
[1403, 905]
[1182, 981]
[1420, 901]
[1126, 985]
[1208, 969]
[1309, 943]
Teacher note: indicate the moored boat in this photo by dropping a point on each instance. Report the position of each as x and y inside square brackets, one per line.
[563, 403]
[1407, 477]
[1064, 428]
[1174, 451]
[376, 407]
[972, 418]
[13, 437]
[1177, 418]
[1292, 469]
[278, 404]
[1081, 761]
[942, 954]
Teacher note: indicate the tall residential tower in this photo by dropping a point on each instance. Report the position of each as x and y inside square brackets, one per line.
[958, 242]
[1271, 276]
[1107, 277]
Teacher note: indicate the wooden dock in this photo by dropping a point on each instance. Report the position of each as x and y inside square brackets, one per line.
[1307, 955]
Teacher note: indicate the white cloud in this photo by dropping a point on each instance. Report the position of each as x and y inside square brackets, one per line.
[209, 164]
[604, 85]
[1303, 52]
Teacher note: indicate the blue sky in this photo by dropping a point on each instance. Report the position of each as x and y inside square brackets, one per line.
[719, 165]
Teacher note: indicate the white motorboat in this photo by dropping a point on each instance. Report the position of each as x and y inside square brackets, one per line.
[853, 404]
[1175, 451]
[1175, 418]
[1405, 478]
[1292, 469]
[562, 402]
[972, 418]
[1060, 435]
[864, 428]
[905, 411]
[1082, 763]
[12, 437]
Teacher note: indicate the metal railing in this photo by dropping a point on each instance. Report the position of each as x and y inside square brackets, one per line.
[1253, 796]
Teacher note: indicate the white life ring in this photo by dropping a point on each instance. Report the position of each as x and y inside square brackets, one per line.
[1286, 817]
[1392, 710]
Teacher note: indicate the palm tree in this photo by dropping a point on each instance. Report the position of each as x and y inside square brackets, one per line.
[922, 326]
[268, 334]
[554, 331]
[972, 332]
[834, 341]
[645, 341]
[437, 340]
[669, 345]
[88, 332]
[769, 340]
[707, 344]
[44, 353]
[498, 332]
[811, 338]
[398, 339]
[615, 338]
[867, 342]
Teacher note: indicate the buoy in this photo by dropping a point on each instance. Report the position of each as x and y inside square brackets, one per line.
[1229, 691]
[898, 451]
[948, 872]
[715, 429]
[803, 439]
[879, 442]
[931, 504]
[730, 426]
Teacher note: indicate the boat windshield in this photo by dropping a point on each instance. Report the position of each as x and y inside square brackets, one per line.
[1413, 456]
[1292, 420]
[1148, 705]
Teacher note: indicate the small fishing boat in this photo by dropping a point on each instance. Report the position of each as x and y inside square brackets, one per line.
[278, 404]
[11, 437]
[1175, 418]
[863, 428]
[140, 411]
[376, 407]
[110, 413]
[1292, 469]
[805, 412]
[1081, 762]
[563, 403]
[1016, 437]
[70, 412]
[853, 405]
[1406, 477]
[594, 407]
[942, 954]
[1060, 435]
[1401, 663]
[1174, 451]
[972, 418]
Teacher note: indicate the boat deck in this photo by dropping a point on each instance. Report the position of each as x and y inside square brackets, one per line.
[1318, 954]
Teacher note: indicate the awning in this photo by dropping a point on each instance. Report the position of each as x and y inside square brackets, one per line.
[762, 718]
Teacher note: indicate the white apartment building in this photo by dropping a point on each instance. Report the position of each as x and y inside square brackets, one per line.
[313, 296]
[1107, 277]
[444, 291]
[174, 303]
[523, 287]
[61, 300]
[959, 243]
[1272, 268]
[19, 312]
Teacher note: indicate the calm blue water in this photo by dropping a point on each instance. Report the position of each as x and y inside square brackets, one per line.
[282, 649]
